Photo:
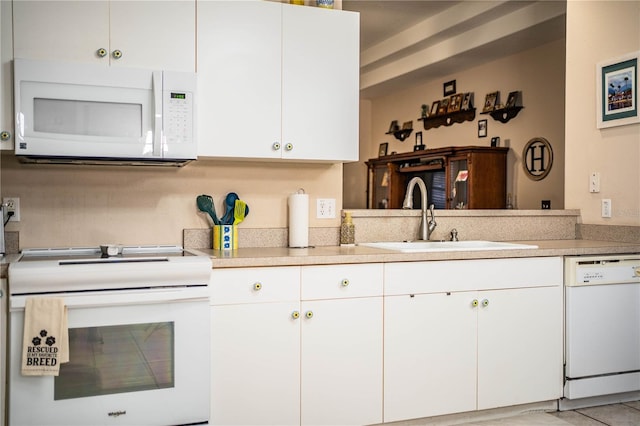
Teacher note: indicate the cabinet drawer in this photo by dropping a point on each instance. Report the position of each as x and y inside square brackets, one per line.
[341, 281]
[463, 275]
[255, 285]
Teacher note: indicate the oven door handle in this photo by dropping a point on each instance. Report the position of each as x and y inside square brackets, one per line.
[122, 297]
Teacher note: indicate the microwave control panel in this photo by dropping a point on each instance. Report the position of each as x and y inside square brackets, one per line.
[178, 116]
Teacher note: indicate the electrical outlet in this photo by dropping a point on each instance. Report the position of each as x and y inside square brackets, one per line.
[606, 207]
[13, 205]
[545, 204]
[326, 208]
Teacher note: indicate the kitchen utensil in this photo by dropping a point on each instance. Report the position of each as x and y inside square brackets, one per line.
[239, 212]
[229, 203]
[205, 204]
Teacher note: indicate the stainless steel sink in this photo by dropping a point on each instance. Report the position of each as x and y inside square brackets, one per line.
[437, 246]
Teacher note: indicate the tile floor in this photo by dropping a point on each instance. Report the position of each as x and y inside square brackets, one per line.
[623, 414]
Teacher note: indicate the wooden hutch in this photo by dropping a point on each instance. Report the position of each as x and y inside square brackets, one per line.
[467, 177]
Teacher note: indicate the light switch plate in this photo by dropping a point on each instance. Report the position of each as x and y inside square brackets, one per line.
[594, 182]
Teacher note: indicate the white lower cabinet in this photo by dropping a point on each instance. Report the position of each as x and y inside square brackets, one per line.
[451, 346]
[297, 345]
[308, 344]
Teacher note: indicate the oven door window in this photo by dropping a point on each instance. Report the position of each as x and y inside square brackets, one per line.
[115, 359]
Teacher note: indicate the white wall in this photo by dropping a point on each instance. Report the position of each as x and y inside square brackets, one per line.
[538, 73]
[598, 31]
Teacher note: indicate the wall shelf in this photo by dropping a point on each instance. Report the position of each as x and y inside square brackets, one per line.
[401, 135]
[503, 115]
[448, 119]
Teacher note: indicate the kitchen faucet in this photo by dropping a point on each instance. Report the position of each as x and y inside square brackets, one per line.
[425, 228]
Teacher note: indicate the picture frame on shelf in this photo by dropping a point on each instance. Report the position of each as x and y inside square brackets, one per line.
[407, 125]
[490, 101]
[449, 88]
[434, 109]
[513, 100]
[393, 127]
[482, 128]
[467, 101]
[443, 107]
[455, 103]
[382, 150]
[617, 91]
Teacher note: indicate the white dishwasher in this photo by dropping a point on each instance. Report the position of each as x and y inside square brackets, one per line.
[602, 329]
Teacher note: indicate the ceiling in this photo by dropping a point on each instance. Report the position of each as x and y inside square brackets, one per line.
[403, 43]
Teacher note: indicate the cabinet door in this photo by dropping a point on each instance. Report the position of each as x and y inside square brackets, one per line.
[320, 75]
[239, 79]
[154, 34]
[6, 77]
[61, 30]
[429, 355]
[3, 346]
[342, 361]
[519, 346]
[255, 359]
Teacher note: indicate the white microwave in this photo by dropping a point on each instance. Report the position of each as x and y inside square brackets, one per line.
[95, 114]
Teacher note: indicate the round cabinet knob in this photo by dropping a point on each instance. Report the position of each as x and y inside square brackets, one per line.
[117, 54]
[474, 302]
[288, 147]
[257, 286]
[295, 314]
[276, 146]
[102, 52]
[485, 302]
[5, 136]
[637, 271]
[309, 314]
[345, 282]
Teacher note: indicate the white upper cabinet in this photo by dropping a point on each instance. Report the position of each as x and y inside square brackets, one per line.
[135, 34]
[277, 81]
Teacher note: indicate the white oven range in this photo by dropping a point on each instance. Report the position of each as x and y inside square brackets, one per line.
[138, 337]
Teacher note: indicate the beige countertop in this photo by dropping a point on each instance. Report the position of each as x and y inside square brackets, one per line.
[282, 256]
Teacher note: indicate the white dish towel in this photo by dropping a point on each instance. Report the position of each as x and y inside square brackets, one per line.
[46, 336]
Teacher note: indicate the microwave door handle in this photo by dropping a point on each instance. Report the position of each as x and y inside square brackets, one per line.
[157, 113]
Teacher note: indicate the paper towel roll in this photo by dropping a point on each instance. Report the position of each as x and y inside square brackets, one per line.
[299, 220]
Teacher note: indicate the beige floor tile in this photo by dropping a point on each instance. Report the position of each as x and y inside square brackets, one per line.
[614, 415]
[633, 404]
[576, 419]
[531, 419]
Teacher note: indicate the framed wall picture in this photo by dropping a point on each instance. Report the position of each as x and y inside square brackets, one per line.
[393, 127]
[482, 128]
[449, 88]
[382, 151]
[617, 91]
